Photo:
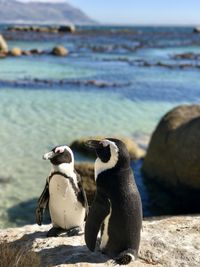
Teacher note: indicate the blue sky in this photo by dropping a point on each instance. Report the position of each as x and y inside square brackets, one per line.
[146, 12]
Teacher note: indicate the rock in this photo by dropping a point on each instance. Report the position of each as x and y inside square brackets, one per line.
[16, 52]
[172, 241]
[67, 28]
[173, 156]
[2, 55]
[3, 45]
[86, 170]
[42, 29]
[134, 150]
[5, 180]
[26, 53]
[36, 51]
[191, 56]
[196, 29]
[60, 51]
[13, 256]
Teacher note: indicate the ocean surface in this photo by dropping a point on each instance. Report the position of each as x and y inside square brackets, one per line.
[116, 80]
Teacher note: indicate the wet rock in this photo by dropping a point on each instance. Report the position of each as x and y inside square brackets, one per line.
[67, 28]
[196, 29]
[26, 53]
[134, 150]
[3, 45]
[191, 56]
[5, 180]
[86, 170]
[36, 51]
[16, 52]
[172, 241]
[60, 51]
[173, 156]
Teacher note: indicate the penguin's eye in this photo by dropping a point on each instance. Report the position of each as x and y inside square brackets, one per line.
[59, 150]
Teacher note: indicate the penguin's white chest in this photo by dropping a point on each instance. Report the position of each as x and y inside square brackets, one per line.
[65, 210]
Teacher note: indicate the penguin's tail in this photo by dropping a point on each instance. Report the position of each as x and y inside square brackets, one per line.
[125, 257]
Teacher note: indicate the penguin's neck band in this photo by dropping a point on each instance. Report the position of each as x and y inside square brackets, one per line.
[103, 166]
[71, 180]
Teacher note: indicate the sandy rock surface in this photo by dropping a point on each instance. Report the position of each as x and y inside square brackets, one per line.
[172, 241]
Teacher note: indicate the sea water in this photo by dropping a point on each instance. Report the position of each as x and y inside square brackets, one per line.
[96, 90]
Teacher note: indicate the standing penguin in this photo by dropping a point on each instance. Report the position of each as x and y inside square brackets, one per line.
[63, 193]
[117, 207]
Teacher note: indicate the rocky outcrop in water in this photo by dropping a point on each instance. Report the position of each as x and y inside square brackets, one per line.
[42, 29]
[196, 29]
[3, 45]
[173, 156]
[59, 51]
[16, 52]
[164, 242]
[134, 150]
[190, 56]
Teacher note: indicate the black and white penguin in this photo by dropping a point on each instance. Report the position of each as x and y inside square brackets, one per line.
[63, 193]
[117, 207]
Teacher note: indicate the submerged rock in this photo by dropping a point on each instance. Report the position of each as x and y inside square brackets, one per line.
[5, 180]
[59, 51]
[173, 156]
[170, 241]
[134, 150]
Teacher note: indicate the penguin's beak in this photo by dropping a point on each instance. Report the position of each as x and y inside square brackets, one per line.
[48, 155]
[93, 144]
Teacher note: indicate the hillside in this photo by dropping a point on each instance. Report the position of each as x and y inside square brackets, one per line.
[43, 13]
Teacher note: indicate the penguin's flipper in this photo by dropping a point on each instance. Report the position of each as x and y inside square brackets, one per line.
[98, 212]
[41, 205]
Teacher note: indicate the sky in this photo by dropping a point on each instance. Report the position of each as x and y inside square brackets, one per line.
[139, 12]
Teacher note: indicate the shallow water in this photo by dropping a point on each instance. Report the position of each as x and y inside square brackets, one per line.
[46, 101]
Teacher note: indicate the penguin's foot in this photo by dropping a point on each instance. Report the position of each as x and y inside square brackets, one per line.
[73, 231]
[54, 232]
[124, 258]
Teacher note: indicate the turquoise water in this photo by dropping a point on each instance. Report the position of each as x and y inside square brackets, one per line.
[36, 115]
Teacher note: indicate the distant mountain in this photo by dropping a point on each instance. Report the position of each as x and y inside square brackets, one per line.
[12, 11]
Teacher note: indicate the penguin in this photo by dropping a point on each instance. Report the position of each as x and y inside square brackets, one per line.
[117, 209]
[63, 193]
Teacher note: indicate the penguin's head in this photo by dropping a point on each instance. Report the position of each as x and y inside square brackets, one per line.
[60, 155]
[110, 153]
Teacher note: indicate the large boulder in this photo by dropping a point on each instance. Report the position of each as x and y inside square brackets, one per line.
[166, 242]
[3, 45]
[173, 156]
[134, 150]
[60, 51]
